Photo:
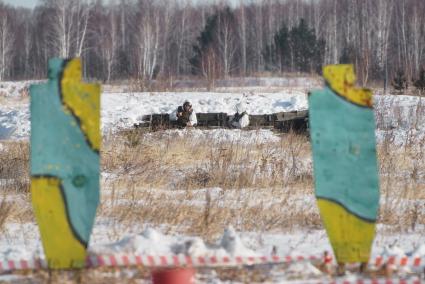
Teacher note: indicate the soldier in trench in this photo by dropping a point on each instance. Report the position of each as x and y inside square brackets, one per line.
[184, 115]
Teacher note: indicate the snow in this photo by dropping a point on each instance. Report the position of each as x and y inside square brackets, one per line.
[14, 110]
[419, 252]
[152, 242]
[235, 136]
[302, 270]
[15, 88]
[124, 109]
[400, 119]
[22, 241]
[14, 122]
[12, 278]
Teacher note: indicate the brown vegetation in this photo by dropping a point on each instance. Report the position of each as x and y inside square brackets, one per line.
[198, 187]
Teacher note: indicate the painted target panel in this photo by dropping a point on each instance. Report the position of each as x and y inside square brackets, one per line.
[342, 127]
[65, 144]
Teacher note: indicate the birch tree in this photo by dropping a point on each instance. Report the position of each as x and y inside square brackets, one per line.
[82, 15]
[243, 37]
[61, 26]
[148, 34]
[383, 10]
[417, 26]
[108, 36]
[6, 44]
[157, 36]
[226, 39]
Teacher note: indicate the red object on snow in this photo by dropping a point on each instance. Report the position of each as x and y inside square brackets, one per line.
[174, 276]
[327, 258]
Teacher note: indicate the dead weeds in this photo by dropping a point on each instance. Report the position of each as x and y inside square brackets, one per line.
[198, 186]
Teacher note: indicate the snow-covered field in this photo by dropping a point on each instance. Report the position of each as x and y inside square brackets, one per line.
[396, 115]
[122, 110]
[129, 192]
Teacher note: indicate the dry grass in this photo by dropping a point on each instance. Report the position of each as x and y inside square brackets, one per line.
[14, 167]
[142, 274]
[206, 163]
[89, 276]
[255, 83]
[198, 186]
[402, 185]
[402, 167]
[14, 183]
[5, 209]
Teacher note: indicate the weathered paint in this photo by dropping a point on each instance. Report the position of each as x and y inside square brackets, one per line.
[64, 250]
[65, 143]
[341, 79]
[342, 128]
[351, 237]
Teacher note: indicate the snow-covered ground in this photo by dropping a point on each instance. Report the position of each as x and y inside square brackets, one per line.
[400, 120]
[235, 136]
[398, 116]
[122, 110]
[15, 89]
[21, 241]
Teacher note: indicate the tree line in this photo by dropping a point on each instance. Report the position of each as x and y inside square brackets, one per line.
[150, 39]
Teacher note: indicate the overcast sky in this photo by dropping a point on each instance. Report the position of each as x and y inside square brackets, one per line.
[22, 3]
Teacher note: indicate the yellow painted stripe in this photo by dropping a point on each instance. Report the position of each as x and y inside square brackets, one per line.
[341, 78]
[84, 101]
[61, 247]
[350, 236]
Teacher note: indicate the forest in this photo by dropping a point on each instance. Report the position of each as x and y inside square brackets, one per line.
[154, 39]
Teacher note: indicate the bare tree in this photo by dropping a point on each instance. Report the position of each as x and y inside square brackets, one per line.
[182, 32]
[226, 37]
[68, 29]
[6, 43]
[83, 15]
[183, 35]
[243, 37]
[210, 67]
[335, 32]
[383, 10]
[107, 36]
[62, 22]
[417, 26]
[150, 37]
[259, 40]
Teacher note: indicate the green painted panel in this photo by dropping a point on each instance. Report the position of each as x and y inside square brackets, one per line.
[60, 146]
[344, 153]
[342, 130]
